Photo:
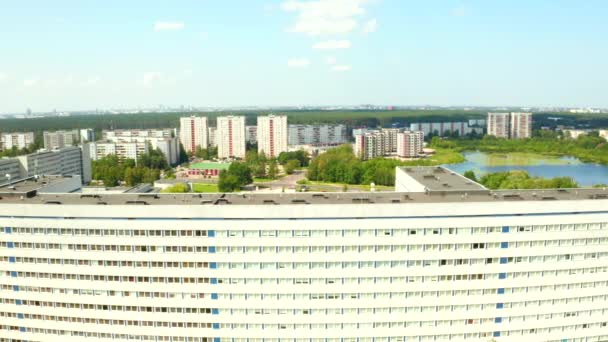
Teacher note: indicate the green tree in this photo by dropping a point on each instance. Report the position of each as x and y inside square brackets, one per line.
[273, 169]
[291, 166]
[177, 188]
[470, 174]
[228, 182]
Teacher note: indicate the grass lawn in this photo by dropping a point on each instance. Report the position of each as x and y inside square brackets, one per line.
[204, 187]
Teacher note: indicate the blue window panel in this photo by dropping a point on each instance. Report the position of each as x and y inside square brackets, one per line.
[10, 245]
[12, 259]
[505, 229]
[216, 339]
[211, 249]
[18, 301]
[502, 276]
[214, 296]
[216, 325]
[499, 305]
[215, 311]
[20, 316]
[496, 334]
[14, 274]
[213, 280]
[213, 265]
[498, 320]
[22, 329]
[16, 288]
[504, 245]
[211, 233]
[8, 230]
[503, 260]
[501, 291]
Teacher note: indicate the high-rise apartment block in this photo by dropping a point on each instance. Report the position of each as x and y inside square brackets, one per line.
[521, 125]
[272, 134]
[212, 136]
[193, 132]
[230, 136]
[87, 135]
[409, 144]
[59, 139]
[18, 140]
[510, 125]
[317, 134]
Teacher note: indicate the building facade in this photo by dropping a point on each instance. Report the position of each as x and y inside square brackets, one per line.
[87, 135]
[133, 143]
[67, 161]
[230, 137]
[212, 136]
[272, 135]
[521, 125]
[399, 267]
[370, 145]
[510, 125]
[317, 135]
[60, 139]
[410, 144]
[448, 128]
[193, 132]
[18, 140]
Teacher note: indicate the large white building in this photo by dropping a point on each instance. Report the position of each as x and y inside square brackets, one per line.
[230, 136]
[459, 128]
[133, 143]
[409, 144]
[474, 265]
[272, 134]
[87, 135]
[193, 132]
[18, 140]
[60, 139]
[317, 134]
[510, 125]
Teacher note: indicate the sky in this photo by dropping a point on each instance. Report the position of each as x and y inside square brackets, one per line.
[72, 54]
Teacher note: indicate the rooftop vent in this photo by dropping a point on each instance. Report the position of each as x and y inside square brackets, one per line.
[52, 202]
[206, 201]
[137, 202]
[298, 201]
[548, 198]
[90, 196]
[269, 201]
[512, 197]
[221, 201]
[361, 200]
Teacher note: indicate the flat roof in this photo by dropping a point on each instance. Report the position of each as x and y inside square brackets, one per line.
[302, 198]
[210, 165]
[29, 185]
[439, 178]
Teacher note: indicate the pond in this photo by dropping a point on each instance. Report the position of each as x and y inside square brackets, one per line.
[537, 165]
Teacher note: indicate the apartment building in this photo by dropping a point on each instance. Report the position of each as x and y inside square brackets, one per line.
[272, 134]
[17, 140]
[230, 137]
[409, 144]
[133, 143]
[317, 135]
[251, 134]
[60, 139]
[510, 125]
[193, 132]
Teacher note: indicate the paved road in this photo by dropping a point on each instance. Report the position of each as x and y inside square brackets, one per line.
[289, 181]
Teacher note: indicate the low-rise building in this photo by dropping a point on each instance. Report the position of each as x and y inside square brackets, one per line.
[9, 168]
[60, 139]
[17, 140]
[133, 143]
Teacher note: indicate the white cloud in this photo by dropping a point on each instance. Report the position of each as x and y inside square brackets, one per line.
[31, 82]
[325, 17]
[3, 76]
[341, 68]
[332, 45]
[92, 81]
[370, 26]
[168, 26]
[330, 60]
[298, 63]
[150, 78]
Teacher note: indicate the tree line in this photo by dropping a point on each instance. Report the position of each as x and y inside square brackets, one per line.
[520, 179]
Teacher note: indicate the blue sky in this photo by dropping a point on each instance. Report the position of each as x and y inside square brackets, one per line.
[102, 54]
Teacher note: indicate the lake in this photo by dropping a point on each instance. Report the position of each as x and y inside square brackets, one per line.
[537, 165]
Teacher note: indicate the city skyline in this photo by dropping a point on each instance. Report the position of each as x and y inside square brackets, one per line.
[291, 53]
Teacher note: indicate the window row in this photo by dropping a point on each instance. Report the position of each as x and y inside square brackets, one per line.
[346, 232]
[311, 249]
[456, 309]
[341, 326]
[439, 337]
[311, 265]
